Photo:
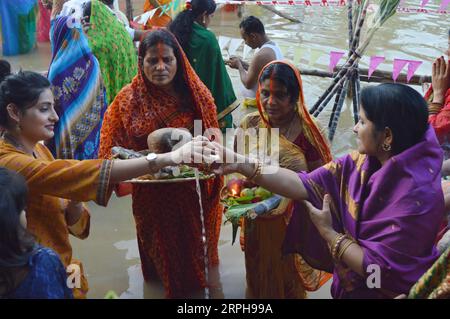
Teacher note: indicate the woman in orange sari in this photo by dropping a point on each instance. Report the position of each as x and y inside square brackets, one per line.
[167, 93]
[302, 147]
[57, 187]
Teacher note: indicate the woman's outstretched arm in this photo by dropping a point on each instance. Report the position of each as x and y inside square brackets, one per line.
[278, 180]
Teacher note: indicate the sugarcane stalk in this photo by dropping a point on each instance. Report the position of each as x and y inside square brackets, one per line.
[359, 25]
[351, 59]
[350, 43]
[335, 121]
[336, 102]
[387, 9]
[356, 12]
[349, 64]
[353, 78]
[328, 98]
[350, 23]
[355, 98]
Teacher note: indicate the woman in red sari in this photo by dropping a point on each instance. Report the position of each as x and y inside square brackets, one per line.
[167, 93]
[438, 97]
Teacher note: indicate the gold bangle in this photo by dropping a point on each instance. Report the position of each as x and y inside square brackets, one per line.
[434, 108]
[257, 171]
[333, 242]
[344, 248]
[336, 246]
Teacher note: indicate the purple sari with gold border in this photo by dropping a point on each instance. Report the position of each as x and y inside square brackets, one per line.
[393, 212]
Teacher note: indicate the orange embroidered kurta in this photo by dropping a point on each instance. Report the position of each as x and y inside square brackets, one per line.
[167, 216]
[51, 183]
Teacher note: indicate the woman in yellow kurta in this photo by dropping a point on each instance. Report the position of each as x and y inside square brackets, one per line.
[57, 187]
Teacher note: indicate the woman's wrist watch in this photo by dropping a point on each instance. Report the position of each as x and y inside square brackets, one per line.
[151, 159]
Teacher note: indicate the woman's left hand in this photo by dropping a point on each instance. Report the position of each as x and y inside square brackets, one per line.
[321, 217]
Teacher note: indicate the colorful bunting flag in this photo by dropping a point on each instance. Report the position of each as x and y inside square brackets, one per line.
[246, 51]
[234, 45]
[314, 56]
[412, 68]
[398, 66]
[335, 56]
[284, 50]
[375, 61]
[298, 53]
[444, 5]
[424, 3]
[223, 42]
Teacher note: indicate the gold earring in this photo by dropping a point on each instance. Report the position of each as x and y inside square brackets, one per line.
[386, 147]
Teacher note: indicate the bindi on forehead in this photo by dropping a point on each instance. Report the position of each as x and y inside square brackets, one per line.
[160, 50]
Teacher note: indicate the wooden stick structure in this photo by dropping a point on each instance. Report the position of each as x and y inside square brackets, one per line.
[346, 81]
[377, 77]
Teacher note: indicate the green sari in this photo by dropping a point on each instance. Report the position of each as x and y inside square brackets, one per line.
[205, 56]
[114, 49]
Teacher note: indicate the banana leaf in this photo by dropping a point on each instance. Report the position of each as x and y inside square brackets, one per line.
[234, 213]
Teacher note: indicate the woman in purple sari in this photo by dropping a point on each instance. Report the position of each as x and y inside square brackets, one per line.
[373, 214]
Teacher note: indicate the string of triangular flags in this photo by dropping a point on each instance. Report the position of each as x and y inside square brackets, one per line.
[232, 45]
[423, 6]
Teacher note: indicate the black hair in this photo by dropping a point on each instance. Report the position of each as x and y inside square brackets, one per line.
[180, 82]
[283, 74]
[16, 244]
[108, 2]
[252, 24]
[181, 26]
[398, 107]
[23, 90]
[87, 10]
[5, 69]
